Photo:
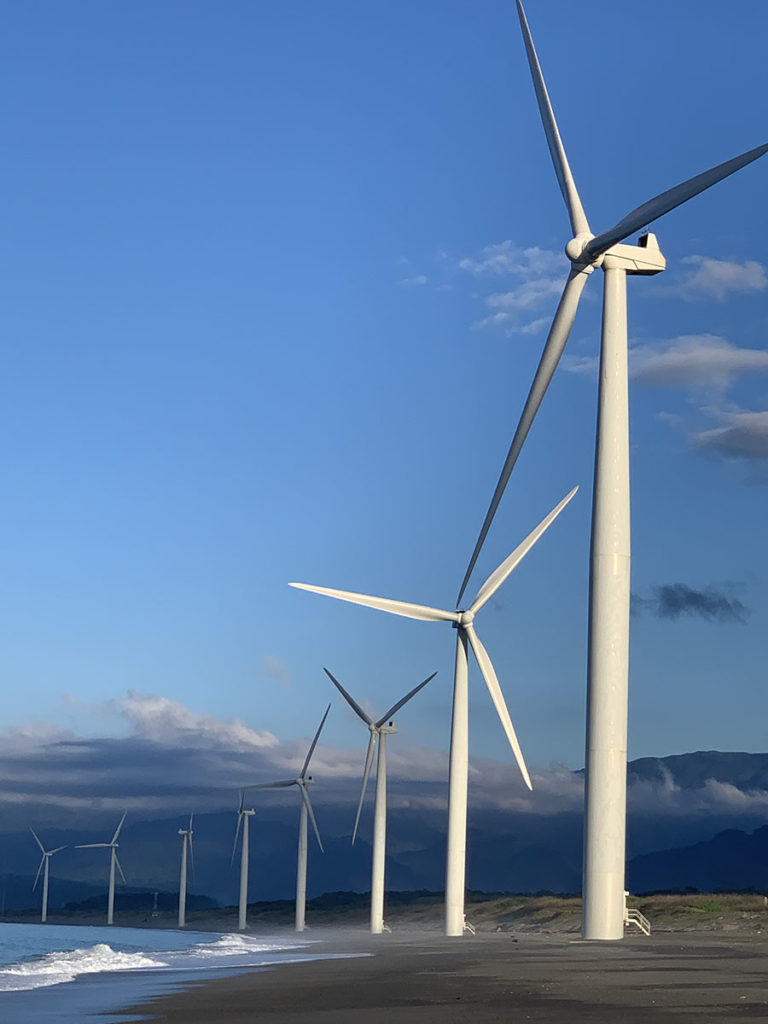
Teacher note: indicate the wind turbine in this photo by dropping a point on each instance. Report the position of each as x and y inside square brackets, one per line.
[113, 863]
[244, 814]
[186, 842]
[47, 854]
[608, 644]
[462, 621]
[303, 782]
[378, 730]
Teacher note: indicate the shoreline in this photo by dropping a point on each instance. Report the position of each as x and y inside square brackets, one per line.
[418, 977]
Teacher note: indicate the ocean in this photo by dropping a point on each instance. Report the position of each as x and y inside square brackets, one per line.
[65, 973]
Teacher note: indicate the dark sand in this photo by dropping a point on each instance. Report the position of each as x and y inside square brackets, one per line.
[423, 978]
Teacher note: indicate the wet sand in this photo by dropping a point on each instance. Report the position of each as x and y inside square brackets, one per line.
[424, 978]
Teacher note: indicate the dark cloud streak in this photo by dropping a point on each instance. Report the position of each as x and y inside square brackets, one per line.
[672, 600]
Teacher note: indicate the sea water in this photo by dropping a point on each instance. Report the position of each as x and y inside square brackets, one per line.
[122, 966]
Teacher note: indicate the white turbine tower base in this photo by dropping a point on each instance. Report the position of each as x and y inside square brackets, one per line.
[114, 863]
[379, 730]
[462, 621]
[303, 782]
[607, 681]
[44, 865]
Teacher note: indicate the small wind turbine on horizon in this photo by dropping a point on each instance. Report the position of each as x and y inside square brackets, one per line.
[244, 815]
[44, 864]
[303, 782]
[186, 844]
[113, 863]
[458, 776]
[608, 643]
[379, 730]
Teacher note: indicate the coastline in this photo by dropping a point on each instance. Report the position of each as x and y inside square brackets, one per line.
[418, 977]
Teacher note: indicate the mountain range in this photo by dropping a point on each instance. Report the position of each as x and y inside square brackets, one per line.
[696, 820]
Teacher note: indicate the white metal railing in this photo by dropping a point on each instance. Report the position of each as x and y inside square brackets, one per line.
[638, 919]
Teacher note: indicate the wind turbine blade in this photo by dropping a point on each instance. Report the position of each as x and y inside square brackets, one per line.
[667, 201]
[578, 218]
[314, 744]
[56, 850]
[489, 675]
[37, 840]
[311, 813]
[366, 773]
[384, 604]
[270, 785]
[37, 876]
[191, 856]
[237, 836]
[349, 699]
[92, 846]
[117, 830]
[405, 699]
[550, 357]
[190, 823]
[495, 580]
[119, 868]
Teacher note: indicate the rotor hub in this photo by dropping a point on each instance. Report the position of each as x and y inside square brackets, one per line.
[574, 250]
[466, 618]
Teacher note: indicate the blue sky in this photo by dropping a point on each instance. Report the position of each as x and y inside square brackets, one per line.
[275, 280]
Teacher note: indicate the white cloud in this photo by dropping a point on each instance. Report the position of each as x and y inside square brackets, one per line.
[535, 279]
[689, 361]
[169, 722]
[416, 281]
[695, 360]
[743, 435]
[716, 279]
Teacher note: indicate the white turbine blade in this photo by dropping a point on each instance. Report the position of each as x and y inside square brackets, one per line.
[303, 771]
[271, 785]
[117, 865]
[190, 823]
[37, 876]
[366, 773]
[237, 836]
[349, 699]
[56, 850]
[497, 697]
[495, 580]
[396, 707]
[668, 200]
[37, 840]
[311, 813]
[384, 604]
[578, 218]
[550, 357]
[191, 856]
[92, 846]
[117, 830]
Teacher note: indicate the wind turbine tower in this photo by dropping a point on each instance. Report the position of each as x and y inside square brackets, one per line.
[458, 776]
[609, 578]
[44, 864]
[113, 863]
[302, 782]
[244, 815]
[379, 731]
[186, 843]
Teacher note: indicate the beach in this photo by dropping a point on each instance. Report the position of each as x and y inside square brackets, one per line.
[420, 977]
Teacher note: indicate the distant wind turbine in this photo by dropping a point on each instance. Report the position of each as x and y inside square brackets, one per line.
[47, 854]
[379, 730]
[303, 782]
[113, 863]
[244, 815]
[186, 843]
[459, 757]
[608, 654]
